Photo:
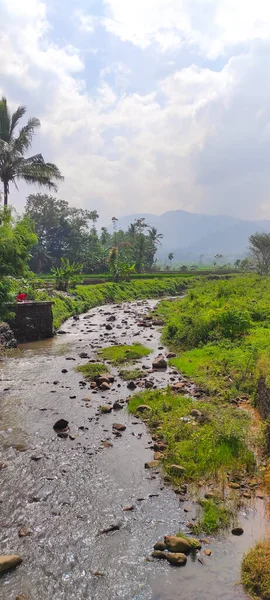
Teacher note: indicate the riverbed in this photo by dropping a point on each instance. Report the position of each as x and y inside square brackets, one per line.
[66, 491]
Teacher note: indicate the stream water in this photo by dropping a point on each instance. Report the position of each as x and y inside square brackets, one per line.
[66, 491]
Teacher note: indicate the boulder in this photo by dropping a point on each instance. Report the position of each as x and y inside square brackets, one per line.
[160, 546]
[159, 362]
[9, 562]
[170, 355]
[158, 455]
[61, 426]
[158, 554]
[117, 405]
[83, 355]
[176, 558]
[177, 544]
[178, 386]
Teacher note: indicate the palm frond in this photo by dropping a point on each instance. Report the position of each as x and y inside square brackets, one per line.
[19, 113]
[38, 172]
[24, 139]
[4, 120]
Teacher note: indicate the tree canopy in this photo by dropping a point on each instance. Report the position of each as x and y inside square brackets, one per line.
[260, 252]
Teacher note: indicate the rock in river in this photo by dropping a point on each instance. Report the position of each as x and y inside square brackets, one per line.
[160, 362]
[160, 546]
[151, 464]
[119, 427]
[158, 554]
[9, 562]
[177, 544]
[24, 532]
[176, 558]
[237, 531]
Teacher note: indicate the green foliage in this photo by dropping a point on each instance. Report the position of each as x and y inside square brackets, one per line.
[207, 449]
[260, 251]
[215, 516]
[256, 570]
[66, 274]
[13, 164]
[92, 370]
[124, 354]
[130, 374]
[16, 240]
[86, 297]
[223, 331]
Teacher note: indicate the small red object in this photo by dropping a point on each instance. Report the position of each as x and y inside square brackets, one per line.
[21, 297]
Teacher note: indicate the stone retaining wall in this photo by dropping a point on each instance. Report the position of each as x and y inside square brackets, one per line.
[33, 321]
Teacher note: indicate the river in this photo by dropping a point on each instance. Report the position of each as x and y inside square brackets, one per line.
[66, 491]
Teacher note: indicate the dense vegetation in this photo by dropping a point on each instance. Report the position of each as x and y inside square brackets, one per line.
[256, 570]
[223, 331]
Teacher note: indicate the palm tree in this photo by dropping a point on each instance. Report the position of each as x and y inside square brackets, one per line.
[154, 236]
[170, 257]
[13, 164]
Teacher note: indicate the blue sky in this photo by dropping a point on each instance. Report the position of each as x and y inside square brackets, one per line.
[147, 106]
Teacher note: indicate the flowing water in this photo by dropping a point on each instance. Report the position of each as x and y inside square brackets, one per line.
[67, 491]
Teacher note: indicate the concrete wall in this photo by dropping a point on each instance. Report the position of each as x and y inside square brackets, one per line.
[33, 321]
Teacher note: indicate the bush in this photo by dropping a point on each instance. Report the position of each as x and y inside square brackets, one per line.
[256, 570]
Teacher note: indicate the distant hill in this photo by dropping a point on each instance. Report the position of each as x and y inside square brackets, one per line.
[190, 235]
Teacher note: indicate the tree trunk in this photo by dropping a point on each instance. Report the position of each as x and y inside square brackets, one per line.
[6, 193]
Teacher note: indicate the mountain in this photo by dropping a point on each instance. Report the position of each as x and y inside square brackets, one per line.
[190, 235]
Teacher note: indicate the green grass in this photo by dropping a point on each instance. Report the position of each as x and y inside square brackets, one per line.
[256, 570]
[130, 374]
[85, 297]
[92, 370]
[215, 516]
[207, 450]
[118, 355]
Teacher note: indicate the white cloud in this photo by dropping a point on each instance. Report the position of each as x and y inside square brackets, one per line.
[212, 25]
[199, 140]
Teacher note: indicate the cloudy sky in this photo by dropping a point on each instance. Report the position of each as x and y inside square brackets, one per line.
[146, 106]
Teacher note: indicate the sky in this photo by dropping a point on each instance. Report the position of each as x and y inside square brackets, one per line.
[145, 106]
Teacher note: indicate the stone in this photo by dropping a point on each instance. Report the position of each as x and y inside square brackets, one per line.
[158, 554]
[109, 327]
[128, 508]
[171, 355]
[64, 371]
[9, 562]
[237, 531]
[160, 546]
[87, 399]
[177, 544]
[178, 386]
[151, 464]
[24, 532]
[105, 386]
[143, 408]
[176, 558]
[177, 470]
[246, 495]
[207, 552]
[234, 486]
[117, 405]
[105, 409]
[131, 385]
[22, 597]
[148, 384]
[83, 355]
[107, 445]
[159, 362]
[61, 425]
[119, 427]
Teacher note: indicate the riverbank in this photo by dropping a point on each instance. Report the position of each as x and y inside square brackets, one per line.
[84, 298]
[67, 490]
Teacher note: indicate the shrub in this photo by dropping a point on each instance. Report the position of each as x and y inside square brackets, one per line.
[256, 570]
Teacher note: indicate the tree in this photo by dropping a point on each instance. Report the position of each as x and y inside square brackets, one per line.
[62, 231]
[13, 164]
[17, 238]
[260, 251]
[170, 258]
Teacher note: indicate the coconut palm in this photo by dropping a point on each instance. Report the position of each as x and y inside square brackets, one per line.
[13, 163]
